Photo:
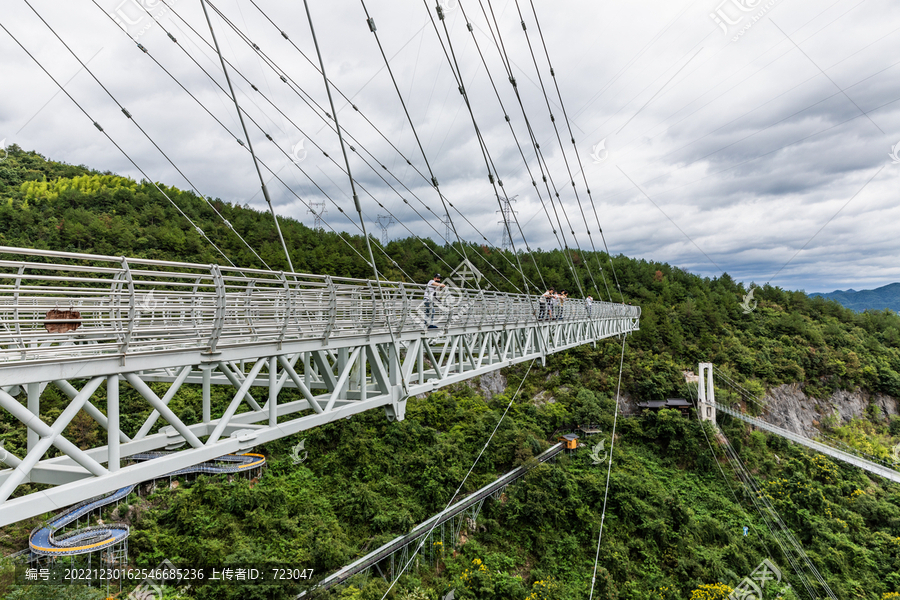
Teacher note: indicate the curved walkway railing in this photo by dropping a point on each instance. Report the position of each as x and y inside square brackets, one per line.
[62, 306]
[44, 542]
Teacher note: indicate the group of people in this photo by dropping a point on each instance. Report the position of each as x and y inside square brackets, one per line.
[552, 303]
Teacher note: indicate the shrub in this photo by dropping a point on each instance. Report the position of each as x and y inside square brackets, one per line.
[711, 591]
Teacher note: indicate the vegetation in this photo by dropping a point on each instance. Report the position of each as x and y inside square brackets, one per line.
[673, 526]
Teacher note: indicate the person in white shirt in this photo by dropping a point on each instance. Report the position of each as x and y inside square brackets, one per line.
[544, 302]
[431, 289]
[588, 303]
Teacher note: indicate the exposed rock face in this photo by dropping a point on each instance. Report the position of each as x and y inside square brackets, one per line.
[492, 383]
[627, 404]
[790, 408]
[543, 397]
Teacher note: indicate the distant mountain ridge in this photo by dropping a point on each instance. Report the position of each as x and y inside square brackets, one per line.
[887, 296]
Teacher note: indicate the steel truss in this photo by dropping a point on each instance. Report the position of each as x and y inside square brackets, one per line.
[87, 324]
[430, 538]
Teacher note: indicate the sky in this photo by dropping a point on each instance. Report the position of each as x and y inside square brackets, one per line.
[755, 137]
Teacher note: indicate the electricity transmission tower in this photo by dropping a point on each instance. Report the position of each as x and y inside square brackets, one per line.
[507, 213]
[384, 221]
[447, 231]
[318, 209]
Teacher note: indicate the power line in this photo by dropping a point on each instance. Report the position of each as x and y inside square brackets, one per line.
[612, 444]
[783, 529]
[578, 158]
[507, 233]
[488, 161]
[434, 180]
[312, 206]
[462, 483]
[131, 117]
[326, 117]
[544, 170]
[362, 222]
[100, 128]
[237, 107]
[309, 206]
[559, 142]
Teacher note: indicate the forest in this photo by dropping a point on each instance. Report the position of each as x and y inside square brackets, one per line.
[675, 513]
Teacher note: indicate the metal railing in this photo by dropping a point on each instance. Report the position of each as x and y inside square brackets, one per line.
[846, 457]
[63, 306]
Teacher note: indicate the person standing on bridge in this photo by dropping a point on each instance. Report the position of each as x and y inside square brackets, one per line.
[588, 304]
[431, 289]
[544, 303]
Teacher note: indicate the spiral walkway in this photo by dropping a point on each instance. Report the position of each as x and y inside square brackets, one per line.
[43, 542]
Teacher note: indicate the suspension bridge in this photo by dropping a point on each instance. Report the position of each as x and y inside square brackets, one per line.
[85, 322]
[808, 575]
[707, 409]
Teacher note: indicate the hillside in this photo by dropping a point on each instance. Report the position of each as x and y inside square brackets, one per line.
[885, 297]
[675, 515]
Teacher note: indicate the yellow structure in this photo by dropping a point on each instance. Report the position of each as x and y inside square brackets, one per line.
[570, 440]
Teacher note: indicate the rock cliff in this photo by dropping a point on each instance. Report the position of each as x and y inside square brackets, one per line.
[789, 407]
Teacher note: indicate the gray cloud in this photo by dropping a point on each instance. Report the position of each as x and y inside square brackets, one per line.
[747, 146]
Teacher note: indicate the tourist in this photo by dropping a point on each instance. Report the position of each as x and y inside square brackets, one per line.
[544, 303]
[431, 289]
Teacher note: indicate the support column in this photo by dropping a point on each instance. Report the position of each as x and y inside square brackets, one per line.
[343, 356]
[206, 369]
[420, 361]
[34, 407]
[306, 372]
[362, 380]
[273, 391]
[112, 417]
[706, 396]
[396, 410]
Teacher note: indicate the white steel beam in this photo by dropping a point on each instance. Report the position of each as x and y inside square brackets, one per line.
[344, 347]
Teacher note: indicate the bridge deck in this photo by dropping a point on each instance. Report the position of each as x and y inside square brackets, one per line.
[846, 457]
[80, 322]
[60, 308]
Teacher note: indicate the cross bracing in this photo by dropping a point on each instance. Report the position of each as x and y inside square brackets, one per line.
[85, 323]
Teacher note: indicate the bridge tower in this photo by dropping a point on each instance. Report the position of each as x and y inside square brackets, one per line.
[706, 395]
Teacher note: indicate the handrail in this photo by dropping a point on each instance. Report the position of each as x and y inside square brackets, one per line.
[856, 461]
[208, 307]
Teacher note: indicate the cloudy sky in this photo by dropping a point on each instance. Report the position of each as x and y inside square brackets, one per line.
[747, 136]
